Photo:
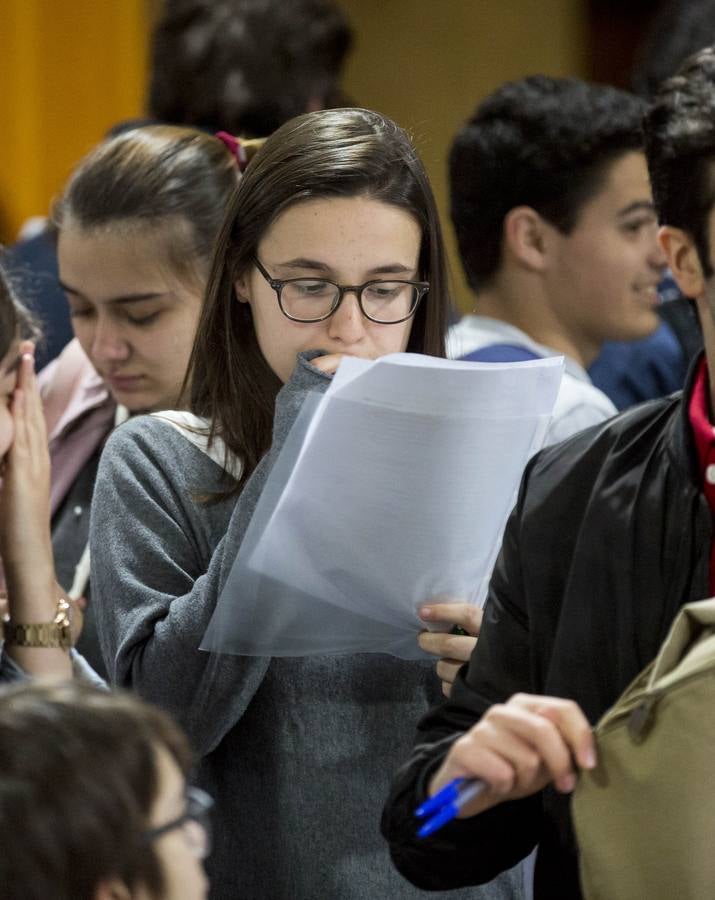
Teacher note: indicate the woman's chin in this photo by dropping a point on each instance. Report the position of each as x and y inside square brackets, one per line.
[143, 401]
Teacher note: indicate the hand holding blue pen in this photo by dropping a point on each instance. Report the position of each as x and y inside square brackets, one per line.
[446, 804]
[554, 728]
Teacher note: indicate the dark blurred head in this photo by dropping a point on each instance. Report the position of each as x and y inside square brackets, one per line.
[679, 29]
[245, 66]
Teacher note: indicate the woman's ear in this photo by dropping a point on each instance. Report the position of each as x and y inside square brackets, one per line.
[683, 259]
[524, 237]
[240, 286]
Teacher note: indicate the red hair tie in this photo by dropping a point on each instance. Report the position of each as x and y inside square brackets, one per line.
[234, 147]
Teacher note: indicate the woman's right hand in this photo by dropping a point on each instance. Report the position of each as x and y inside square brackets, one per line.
[328, 363]
[518, 748]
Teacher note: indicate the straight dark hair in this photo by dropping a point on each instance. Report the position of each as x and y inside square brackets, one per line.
[150, 176]
[330, 153]
[15, 320]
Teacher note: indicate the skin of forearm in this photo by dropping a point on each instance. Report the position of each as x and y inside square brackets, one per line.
[42, 662]
[32, 594]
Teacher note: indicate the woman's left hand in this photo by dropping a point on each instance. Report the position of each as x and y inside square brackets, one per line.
[25, 542]
[454, 647]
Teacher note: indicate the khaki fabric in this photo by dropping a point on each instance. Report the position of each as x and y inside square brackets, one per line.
[645, 817]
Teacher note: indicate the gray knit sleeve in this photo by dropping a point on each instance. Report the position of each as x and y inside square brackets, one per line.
[160, 557]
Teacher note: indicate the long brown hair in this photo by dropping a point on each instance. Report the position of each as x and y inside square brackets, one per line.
[330, 153]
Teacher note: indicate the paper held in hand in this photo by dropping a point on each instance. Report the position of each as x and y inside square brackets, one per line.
[392, 489]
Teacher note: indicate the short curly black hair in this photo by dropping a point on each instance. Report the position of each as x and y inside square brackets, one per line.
[542, 142]
[680, 148]
[244, 66]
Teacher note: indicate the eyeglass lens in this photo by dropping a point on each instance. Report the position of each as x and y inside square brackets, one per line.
[197, 822]
[197, 832]
[384, 301]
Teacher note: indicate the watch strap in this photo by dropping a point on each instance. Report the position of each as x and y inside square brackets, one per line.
[57, 633]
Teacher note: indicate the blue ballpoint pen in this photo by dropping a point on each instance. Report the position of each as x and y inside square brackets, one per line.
[445, 804]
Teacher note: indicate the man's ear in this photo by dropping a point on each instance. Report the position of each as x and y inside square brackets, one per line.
[524, 237]
[113, 889]
[683, 260]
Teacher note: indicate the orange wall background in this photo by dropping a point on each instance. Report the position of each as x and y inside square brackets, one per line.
[71, 70]
[68, 72]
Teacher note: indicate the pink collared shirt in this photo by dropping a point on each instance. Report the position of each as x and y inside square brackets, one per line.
[79, 412]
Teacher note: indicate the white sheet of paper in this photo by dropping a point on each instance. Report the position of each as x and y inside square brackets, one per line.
[395, 492]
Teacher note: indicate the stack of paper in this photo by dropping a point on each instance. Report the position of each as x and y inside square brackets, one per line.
[392, 490]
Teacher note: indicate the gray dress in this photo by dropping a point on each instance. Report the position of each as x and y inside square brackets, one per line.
[297, 752]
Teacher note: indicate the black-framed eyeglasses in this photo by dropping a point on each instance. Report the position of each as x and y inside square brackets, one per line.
[195, 822]
[316, 299]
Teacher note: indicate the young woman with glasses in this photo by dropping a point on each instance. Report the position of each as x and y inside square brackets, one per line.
[331, 247]
[94, 803]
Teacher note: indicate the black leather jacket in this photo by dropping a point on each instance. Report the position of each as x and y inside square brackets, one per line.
[610, 536]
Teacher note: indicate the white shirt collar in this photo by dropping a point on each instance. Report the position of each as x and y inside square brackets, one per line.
[478, 330]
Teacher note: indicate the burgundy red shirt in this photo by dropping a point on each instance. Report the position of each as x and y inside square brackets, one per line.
[704, 437]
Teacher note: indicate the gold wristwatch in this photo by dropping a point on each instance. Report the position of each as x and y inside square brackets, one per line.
[57, 633]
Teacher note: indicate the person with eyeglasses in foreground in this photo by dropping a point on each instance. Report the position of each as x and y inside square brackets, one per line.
[94, 803]
[331, 246]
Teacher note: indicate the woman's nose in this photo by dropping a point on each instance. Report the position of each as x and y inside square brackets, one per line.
[108, 344]
[347, 323]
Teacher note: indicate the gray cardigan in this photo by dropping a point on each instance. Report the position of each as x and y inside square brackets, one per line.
[297, 752]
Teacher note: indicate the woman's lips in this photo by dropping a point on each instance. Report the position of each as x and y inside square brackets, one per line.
[125, 382]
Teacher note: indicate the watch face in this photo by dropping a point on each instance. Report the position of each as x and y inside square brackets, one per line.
[63, 621]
